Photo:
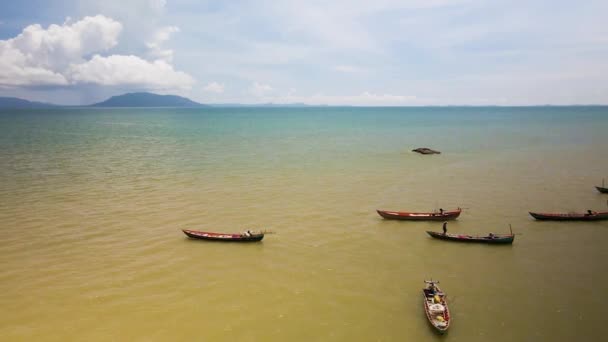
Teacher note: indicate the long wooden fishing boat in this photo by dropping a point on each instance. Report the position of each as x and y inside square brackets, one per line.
[409, 216]
[593, 216]
[491, 238]
[602, 189]
[227, 237]
[436, 306]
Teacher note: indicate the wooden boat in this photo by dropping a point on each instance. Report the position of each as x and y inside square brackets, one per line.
[603, 189]
[593, 216]
[425, 150]
[491, 238]
[228, 237]
[436, 306]
[407, 216]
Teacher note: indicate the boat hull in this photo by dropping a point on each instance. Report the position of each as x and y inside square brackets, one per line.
[602, 189]
[494, 240]
[407, 216]
[439, 326]
[570, 217]
[231, 237]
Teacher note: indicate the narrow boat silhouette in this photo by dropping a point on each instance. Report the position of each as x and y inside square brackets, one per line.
[226, 237]
[429, 216]
[491, 238]
[588, 216]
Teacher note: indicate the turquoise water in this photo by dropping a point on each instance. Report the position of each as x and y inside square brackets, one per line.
[214, 139]
[92, 201]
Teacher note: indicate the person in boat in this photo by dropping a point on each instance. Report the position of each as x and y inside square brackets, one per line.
[440, 211]
[590, 212]
[445, 227]
[491, 236]
[432, 289]
[247, 233]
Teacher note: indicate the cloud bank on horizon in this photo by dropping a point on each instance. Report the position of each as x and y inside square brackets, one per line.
[385, 52]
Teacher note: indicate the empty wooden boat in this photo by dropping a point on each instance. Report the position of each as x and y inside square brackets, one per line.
[436, 306]
[490, 238]
[409, 216]
[227, 237]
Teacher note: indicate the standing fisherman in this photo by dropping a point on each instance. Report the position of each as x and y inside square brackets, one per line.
[445, 227]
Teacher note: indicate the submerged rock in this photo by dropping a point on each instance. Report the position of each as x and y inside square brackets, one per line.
[425, 150]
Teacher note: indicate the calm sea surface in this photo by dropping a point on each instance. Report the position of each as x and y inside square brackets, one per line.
[92, 202]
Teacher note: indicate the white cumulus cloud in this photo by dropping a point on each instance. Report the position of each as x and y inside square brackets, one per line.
[15, 70]
[160, 36]
[129, 70]
[37, 56]
[60, 55]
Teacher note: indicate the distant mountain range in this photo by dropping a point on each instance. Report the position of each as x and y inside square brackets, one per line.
[13, 102]
[141, 99]
[125, 100]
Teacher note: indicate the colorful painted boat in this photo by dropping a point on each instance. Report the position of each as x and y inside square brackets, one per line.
[436, 306]
[491, 238]
[592, 216]
[408, 216]
[227, 237]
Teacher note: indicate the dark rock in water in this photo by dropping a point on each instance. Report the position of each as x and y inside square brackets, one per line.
[425, 150]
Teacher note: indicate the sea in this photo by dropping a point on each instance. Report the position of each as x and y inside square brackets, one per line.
[93, 201]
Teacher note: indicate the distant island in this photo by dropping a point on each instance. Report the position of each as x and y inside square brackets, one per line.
[139, 99]
[14, 102]
[147, 100]
[125, 100]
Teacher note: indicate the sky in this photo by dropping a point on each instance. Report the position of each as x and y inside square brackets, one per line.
[368, 53]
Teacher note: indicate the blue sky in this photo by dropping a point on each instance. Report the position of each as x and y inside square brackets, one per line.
[419, 52]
